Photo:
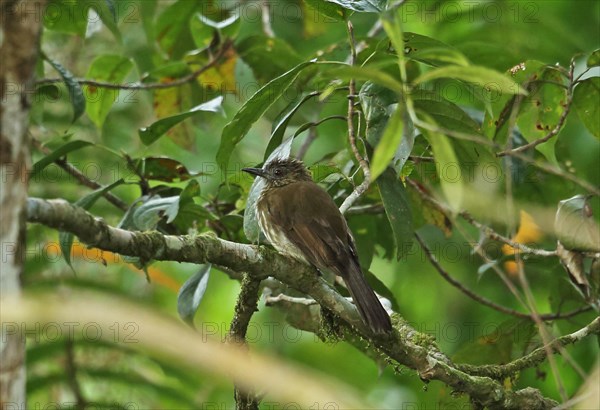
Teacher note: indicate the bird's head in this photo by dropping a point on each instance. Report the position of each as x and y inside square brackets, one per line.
[280, 172]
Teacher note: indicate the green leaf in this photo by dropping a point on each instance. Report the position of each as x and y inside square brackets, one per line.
[328, 9]
[162, 169]
[308, 125]
[190, 215]
[107, 13]
[110, 6]
[386, 149]
[361, 6]
[541, 110]
[397, 208]
[585, 100]
[167, 72]
[202, 33]
[251, 227]
[594, 59]
[283, 119]
[447, 167]
[150, 134]
[267, 57]
[66, 16]
[252, 110]
[204, 30]
[444, 112]
[488, 79]
[366, 74]
[65, 239]
[429, 212]
[74, 88]
[108, 68]
[364, 232]
[56, 154]
[172, 28]
[191, 293]
[321, 171]
[431, 51]
[172, 101]
[496, 119]
[392, 25]
[505, 342]
[377, 104]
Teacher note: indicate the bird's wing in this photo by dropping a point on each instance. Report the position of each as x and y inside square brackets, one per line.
[314, 224]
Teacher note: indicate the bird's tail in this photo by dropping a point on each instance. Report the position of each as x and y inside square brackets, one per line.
[367, 302]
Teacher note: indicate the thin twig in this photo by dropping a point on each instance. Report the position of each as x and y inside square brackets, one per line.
[312, 135]
[144, 185]
[484, 301]
[360, 189]
[559, 124]
[534, 358]
[71, 371]
[558, 172]
[150, 86]
[490, 233]
[486, 230]
[271, 300]
[542, 329]
[372, 209]
[420, 158]
[84, 180]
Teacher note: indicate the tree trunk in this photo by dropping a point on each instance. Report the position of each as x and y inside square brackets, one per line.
[21, 23]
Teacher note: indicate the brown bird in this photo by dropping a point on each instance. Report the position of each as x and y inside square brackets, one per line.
[301, 220]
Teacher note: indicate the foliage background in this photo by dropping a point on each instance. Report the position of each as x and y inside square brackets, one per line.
[156, 35]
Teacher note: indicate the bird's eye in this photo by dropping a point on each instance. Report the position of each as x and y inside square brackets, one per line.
[277, 172]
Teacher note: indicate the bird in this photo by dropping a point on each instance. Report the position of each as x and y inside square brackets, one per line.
[301, 220]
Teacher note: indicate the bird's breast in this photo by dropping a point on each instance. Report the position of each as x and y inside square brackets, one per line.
[276, 234]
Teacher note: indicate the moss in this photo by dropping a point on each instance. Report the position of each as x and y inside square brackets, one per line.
[330, 330]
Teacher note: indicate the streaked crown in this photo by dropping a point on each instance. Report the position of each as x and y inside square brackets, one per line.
[281, 172]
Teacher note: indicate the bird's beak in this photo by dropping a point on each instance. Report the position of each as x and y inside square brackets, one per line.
[255, 171]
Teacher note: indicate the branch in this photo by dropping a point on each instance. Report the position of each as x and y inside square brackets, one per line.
[246, 305]
[559, 124]
[359, 190]
[149, 86]
[405, 345]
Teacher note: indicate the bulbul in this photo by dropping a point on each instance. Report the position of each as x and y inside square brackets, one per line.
[301, 220]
